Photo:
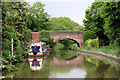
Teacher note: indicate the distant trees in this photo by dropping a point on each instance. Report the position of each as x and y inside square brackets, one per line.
[102, 19]
[62, 23]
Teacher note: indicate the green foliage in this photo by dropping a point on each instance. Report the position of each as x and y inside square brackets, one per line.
[14, 19]
[65, 54]
[66, 42]
[62, 23]
[92, 42]
[117, 41]
[97, 42]
[38, 18]
[111, 19]
[51, 43]
[8, 34]
[81, 28]
[26, 35]
[44, 36]
[94, 22]
[110, 49]
[10, 68]
[89, 35]
[58, 46]
[103, 18]
[74, 46]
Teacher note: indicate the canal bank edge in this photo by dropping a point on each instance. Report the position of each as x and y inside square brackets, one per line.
[100, 53]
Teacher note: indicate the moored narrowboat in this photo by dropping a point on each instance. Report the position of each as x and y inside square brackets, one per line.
[37, 49]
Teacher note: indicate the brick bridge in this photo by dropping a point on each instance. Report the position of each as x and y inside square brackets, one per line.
[76, 36]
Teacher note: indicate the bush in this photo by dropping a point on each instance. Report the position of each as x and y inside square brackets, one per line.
[117, 41]
[58, 46]
[74, 46]
[66, 42]
[10, 68]
[44, 36]
[26, 35]
[92, 42]
[89, 35]
[51, 43]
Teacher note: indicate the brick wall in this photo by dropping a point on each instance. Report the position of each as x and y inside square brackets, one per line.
[35, 36]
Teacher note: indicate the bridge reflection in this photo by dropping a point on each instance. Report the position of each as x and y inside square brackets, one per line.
[36, 63]
[75, 62]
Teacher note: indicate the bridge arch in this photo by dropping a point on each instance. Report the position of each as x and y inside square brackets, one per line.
[69, 39]
[76, 36]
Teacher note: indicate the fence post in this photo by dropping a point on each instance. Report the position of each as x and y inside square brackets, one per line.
[12, 46]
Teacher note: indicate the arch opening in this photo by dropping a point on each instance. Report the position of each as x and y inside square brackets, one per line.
[75, 42]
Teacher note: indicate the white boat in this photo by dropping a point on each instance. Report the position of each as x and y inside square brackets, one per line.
[37, 49]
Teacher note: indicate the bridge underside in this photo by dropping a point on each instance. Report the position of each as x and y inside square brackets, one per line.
[76, 36]
[79, 44]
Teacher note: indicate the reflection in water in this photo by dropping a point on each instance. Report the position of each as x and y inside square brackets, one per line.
[58, 66]
[98, 69]
[75, 62]
[36, 63]
[71, 68]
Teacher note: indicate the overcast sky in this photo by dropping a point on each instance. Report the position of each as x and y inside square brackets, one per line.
[74, 9]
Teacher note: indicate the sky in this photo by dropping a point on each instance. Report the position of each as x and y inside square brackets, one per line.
[73, 9]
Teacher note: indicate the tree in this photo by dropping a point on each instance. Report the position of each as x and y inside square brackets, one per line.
[62, 23]
[94, 22]
[15, 14]
[38, 18]
[14, 19]
[111, 14]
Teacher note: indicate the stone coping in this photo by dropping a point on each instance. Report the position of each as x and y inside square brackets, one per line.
[99, 53]
[67, 31]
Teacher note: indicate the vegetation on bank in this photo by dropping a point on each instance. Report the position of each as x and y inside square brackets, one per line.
[92, 44]
[14, 25]
[101, 20]
[111, 49]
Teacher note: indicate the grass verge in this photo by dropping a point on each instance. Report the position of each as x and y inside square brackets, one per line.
[111, 49]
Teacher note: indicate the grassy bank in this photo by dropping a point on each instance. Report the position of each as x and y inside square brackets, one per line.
[111, 49]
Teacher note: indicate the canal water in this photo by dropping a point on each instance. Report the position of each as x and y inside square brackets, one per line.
[67, 64]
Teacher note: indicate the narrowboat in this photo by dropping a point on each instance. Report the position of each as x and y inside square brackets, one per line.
[37, 49]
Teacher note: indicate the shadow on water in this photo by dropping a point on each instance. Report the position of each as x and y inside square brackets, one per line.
[67, 64]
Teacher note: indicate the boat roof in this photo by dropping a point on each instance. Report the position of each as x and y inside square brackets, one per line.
[40, 43]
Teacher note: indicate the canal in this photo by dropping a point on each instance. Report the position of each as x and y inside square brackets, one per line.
[68, 64]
